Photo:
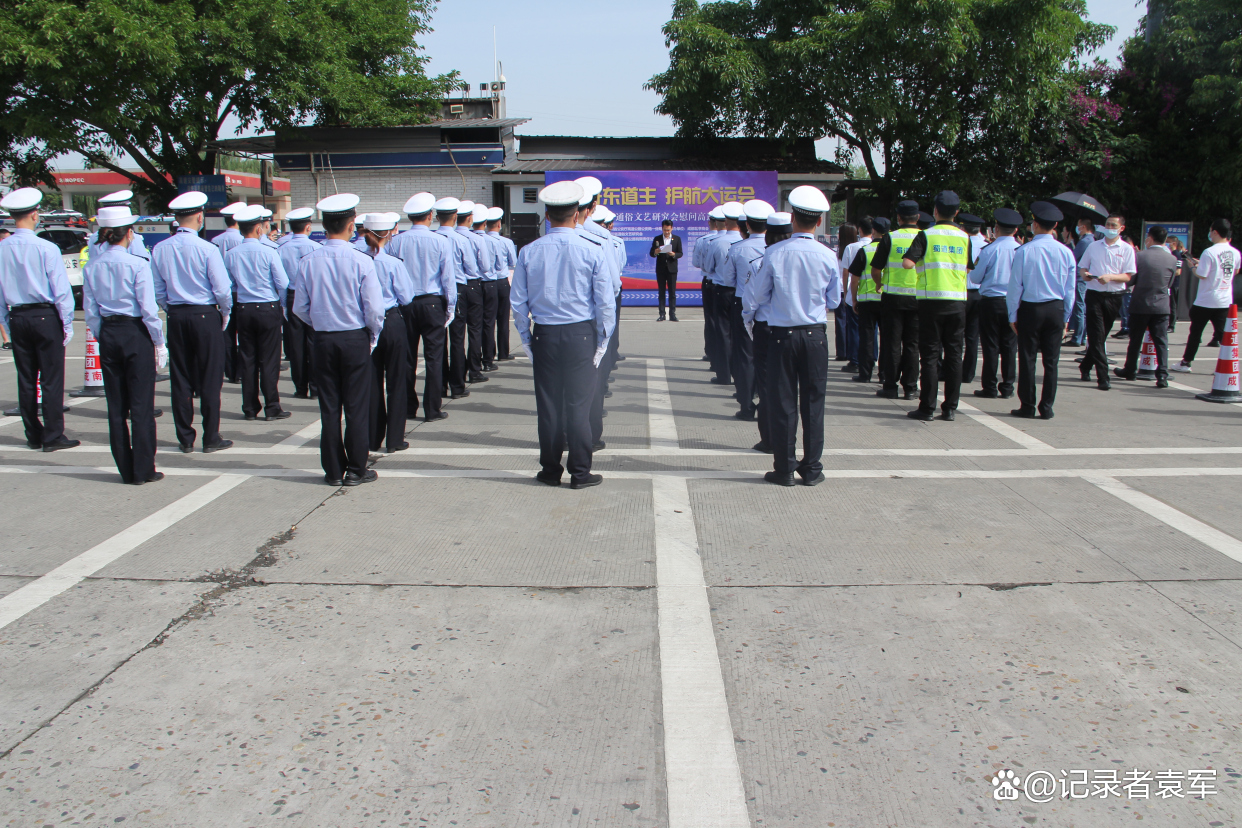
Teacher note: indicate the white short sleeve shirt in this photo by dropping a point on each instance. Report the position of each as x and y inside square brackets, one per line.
[1218, 265]
[1102, 258]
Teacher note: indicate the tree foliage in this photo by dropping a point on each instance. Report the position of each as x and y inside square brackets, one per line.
[927, 91]
[158, 79]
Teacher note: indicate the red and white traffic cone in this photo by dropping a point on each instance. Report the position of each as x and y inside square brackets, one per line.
[16, 410]
[1225, 383]
[1147, 362]
[92, 382]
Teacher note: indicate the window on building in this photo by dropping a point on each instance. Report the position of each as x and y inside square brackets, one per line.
[530, 195]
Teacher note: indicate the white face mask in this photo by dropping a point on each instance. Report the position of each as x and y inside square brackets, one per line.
[1111, 234]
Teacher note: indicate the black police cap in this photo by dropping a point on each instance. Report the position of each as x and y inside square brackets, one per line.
[881, 224]
[1046, 213]
[909, 207]
[1007, 218]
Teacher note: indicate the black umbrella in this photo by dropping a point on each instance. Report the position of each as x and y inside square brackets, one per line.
[1081, 205]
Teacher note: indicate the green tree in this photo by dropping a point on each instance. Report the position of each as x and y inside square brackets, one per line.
[158, 79]
[920, 88]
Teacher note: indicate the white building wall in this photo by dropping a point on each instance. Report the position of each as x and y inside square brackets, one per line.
[387, 190]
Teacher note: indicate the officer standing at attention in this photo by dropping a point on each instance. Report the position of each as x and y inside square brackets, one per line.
[231, 237]
[493, 257]
[899, 315]
[732, 275]
[799, 282]
[722, 294]
[970, 354]
[944, 252]
[562, 283]
[698, 257]
[472, 297]
[428, 259]
[596, 236]
[992, 270]
[503, 308]
[261, 285]
[867, 297]
[226, 241]
[36, 305]
[121, 198]
[755, 320]
[193, 287]
[298, 338]
[118, 298]
[603, 219]
[390, 359]
[265, 238]
[465, 268]
[339, 296]
[1040, 299]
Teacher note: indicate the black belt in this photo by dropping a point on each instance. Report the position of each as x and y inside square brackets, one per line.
[33, 306]
[394, 309]
[820, 327]
[473, 281]
[257, 304]
[121, 317]
[192, 308]
[426, 297]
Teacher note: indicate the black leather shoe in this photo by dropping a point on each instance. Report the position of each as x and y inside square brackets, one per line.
[155, 478]
[301, 395]
[62, 443]
[587, 482]
[910, 395]
[611, 380]
[279, 415]
[705, 359]
[779, 479]
[1084, 377]
[672, 317]
[1120, 374]
[761, 446]
[159, 412]
[351, 479]
[813, 481]
[986, 394]
[599, 444]
[661, 318]
[548, 480]
[744, 415]
[233, 380]
[718, 381]
[948, 415]
[1046, 413]
[888, 394]
[1104, 386]
[860, 378]
[186, 449]
[458, 395]
[849, 366]
[331, 482]
[251, 416]
[506, 358]
[399, 447]
[1027, 413]
[31, 444]
[442, 415]
[1005, 395]
[921, 415]
[477, 378]
[620, 358]
[490, 368]
[608, 393]
[220, 446]
[1162, 383]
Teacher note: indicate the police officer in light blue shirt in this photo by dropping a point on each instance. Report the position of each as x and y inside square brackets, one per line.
[428, 258]
[732, 274]
[622, 260]
[466, 272]
[231, 237]
[36, 305]
[503, 307]
[702, 245]
[991, 274]
[265, 238]
[722, 294]
[390, 359]
[493, 260]
[226, 241]
[118, 298]
[800, 281]
[1040, 299]
[261, 286]
[596, 235]
[972, 224]
[137, 247]
[564, 310]
[472, 297]
[299, 339]
[194, 289]
[339, 296]
[755, 321]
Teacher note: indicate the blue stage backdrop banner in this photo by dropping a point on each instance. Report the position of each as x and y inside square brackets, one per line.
[644, 198]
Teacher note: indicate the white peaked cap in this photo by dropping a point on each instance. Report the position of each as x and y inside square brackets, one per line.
[339, 203]
[115, 217]
[23, 200]
[732, 210]
[496, 214]
[379, 222]
[757, 209]
[248, 213]
[480, 214]
[190, 202]
[119, 197]
[779, 220]
[464, 207]
[448, 204]
[300, 214]
[232, 208]
[717, 214]
[591, 185]
[601, 214]
[809, 199]
[561, 194]
[419, 203]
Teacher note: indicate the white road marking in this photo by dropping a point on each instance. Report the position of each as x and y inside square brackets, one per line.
[661, 424]
[704, 781]
[37, 593]
[1182, 522]
[69, 401]
[293, 441]
[1002, 428]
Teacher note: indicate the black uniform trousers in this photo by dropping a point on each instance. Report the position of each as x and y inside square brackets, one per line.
[503, 315]
[424, 319]
[564, 386]
[491, 301]
[797, 381]
[232, 363]
[742, 359]
[455, 353]
[666, 284]
[299, 349]
[258, 352]
[1040, 328]
[942, 325]
[1157, 324]
[1102, 311]
[127, 357]
[868, 321]
[614, 341]
[472, 297]
[343, 374]
[899, 342]
[1000, 345]
[1199, 318]
[970, 350]
[708, 304]
[390, 385]
[39, 352]
[722, 306]
[195, 366]
[764, 409]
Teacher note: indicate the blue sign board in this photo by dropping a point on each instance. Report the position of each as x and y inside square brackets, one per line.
[213, 185]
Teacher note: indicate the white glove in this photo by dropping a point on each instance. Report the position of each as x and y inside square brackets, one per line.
[161, 357]
[529, 353]
[225, 326]
[374, 343]
[68, 337]
[448, 320]
[750, 329]
[599, 353]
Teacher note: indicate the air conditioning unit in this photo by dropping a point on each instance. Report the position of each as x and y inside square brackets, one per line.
[456, 109]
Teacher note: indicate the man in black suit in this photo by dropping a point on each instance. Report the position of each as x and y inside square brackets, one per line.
[666, 250]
